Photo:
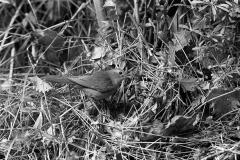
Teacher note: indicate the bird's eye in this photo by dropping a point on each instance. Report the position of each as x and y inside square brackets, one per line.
[120, 72]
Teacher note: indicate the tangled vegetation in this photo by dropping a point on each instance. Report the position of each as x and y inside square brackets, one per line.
[180, 99]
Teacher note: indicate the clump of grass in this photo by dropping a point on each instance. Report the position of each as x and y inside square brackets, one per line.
[169, 108]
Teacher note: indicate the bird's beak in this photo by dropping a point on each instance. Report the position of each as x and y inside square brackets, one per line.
[127, 76]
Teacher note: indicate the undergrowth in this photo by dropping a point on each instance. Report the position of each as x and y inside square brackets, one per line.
[180, 100]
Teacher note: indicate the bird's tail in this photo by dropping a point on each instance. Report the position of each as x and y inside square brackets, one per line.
[58, 79]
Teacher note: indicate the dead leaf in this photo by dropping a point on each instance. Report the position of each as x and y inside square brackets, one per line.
[223, 102]
[52, 130]
[172, 56]
[110, 8]
[29, 18]
[181, 125]
[98, 52]
[40, 85]
[189, 84]
[6, 85]
[181, 40]
[100, 154]
[158, 127]
[39, 121]
[48, 38]
[205, 85]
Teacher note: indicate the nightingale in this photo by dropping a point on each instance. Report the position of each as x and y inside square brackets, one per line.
[99, 85]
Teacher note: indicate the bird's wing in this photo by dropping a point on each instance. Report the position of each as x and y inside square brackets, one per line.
[98, 81]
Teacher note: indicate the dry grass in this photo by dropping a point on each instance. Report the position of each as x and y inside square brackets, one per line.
[166, 110]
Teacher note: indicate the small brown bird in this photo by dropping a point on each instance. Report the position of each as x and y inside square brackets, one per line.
[98, 85]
